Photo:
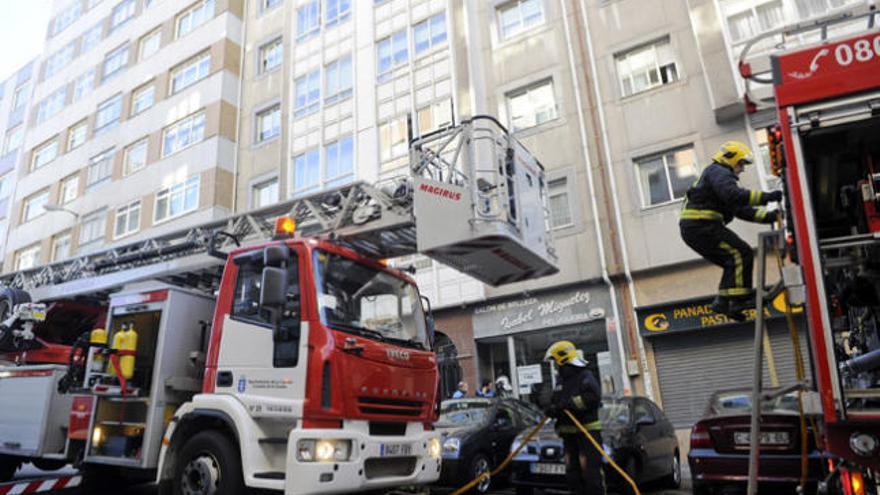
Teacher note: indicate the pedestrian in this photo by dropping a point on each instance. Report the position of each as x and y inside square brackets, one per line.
[461, 391]
[577, 391]
[486, 390]
[710, 204]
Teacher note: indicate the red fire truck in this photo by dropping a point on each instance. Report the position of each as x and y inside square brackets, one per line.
[300, 364]
[826, 148]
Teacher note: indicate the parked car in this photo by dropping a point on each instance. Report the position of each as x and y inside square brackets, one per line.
[635, 433]
[477, 434]
[719, 452]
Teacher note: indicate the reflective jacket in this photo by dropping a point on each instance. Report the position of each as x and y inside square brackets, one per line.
[716, 196]
[579, 392]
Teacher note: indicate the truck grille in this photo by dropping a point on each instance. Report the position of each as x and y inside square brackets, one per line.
[379, 467]
[390, 407]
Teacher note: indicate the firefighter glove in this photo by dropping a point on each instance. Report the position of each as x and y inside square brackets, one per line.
[774, 196]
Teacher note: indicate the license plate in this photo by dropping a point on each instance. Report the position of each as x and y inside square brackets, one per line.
[767, 438]
[547, 468]
[395, 449]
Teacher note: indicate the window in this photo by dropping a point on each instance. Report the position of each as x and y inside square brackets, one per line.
[271, 55]
[6, 185]
[122, 13]
[51, 105]
[435, 116]
[59, 60]
[429, 33]
[560, 209]
[66, 18]
[93, 228]
[814, 8]
[264, 193]
[190, 72]
[306, 170]
[128, 219]
[338, 162]
[115, 61]
[83, 85]
[33, 206]
[177, 199]
[93, 3]
[108, 113]
[14, 139]
[308, 93]
[20, 96]
[391, 52]
[531, 106]
[269, 123]
[69, 189]
[754, 20]
[337, 82]
[246, 308]
[27, 258]
[61, 247]
[308, 20]
[393, 139]
[91, 38]
[150, 44]
[142, 98]
[45, 153]
[135, 157]
[76, 135]
[337, 11]
[197, 15]
[647, 67]
[667, 176]
[183, 134]
[519, 15]
[100, 168]
[268, 4]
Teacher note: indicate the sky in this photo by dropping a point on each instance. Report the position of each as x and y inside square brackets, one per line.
[22, 32]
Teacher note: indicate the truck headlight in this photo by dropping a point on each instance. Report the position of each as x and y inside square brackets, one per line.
[434, 448]
[451, 446]
[324, 450]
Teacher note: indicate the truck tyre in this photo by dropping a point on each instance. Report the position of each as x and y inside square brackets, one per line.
[209, 464]
[8, 466]
[48, 464]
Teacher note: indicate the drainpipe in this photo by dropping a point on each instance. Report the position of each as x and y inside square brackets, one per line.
[582, 130]
[241, 76]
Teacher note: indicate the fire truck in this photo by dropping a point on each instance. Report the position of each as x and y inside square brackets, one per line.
[825, 147]
[275, 349]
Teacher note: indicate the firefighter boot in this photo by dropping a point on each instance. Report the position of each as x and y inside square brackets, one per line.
[732, 308]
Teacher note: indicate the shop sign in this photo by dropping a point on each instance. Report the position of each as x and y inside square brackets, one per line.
[697, 314]
[539, 312]
[529, 375]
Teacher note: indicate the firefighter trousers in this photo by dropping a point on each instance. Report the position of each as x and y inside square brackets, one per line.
[720, 245]
[583, 464]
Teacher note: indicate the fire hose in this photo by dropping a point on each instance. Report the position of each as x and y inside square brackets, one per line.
[525, 441]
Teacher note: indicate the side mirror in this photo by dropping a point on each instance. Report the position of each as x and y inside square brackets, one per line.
[273, 287]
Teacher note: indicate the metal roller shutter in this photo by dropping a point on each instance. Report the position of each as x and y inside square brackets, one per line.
[691, 366]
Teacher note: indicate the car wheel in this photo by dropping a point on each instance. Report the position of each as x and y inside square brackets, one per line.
[8, 466]
[673, 479]
[209, 465]
[481, 465]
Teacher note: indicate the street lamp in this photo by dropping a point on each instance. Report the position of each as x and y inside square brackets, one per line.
[49, 207]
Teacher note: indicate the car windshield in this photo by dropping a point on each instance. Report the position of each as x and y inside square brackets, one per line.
[360, 299]
[740, 402]
[468, 412]
[614, 413]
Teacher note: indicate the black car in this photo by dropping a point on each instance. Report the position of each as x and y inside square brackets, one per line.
[635, 433]
[477, 434]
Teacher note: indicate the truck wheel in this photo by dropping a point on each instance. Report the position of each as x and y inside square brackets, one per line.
[48, 464]
[209, 464]
[8, 466]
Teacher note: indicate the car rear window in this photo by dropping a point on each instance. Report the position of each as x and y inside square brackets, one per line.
[732, 403]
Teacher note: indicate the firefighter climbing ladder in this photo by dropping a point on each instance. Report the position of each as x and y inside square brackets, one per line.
[479, 196]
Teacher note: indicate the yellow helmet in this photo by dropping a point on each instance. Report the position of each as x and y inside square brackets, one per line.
[564, 352]
[733, 153]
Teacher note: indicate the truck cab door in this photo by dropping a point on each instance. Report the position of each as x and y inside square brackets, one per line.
[262, 359]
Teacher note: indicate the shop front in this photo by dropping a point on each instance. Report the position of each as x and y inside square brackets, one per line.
[697, 352]
[512, 336]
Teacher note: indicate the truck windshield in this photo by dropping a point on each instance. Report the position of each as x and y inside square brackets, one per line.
[366, 301]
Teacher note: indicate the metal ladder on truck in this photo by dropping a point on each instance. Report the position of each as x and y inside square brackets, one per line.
[474, 198]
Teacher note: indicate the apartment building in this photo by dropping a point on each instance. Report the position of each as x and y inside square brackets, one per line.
[15, 94]
[132, 129]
